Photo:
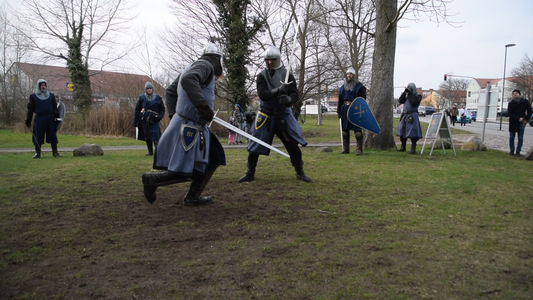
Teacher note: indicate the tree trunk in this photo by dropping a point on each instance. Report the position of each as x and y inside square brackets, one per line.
[382, 89]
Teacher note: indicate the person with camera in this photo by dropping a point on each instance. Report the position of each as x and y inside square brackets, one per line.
[148, 112]
[409, 126]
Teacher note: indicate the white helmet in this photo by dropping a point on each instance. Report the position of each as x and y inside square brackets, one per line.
[351, 70]
[274, 54]
[212, 49]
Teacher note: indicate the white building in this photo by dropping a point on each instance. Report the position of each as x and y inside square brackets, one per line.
[478, 86]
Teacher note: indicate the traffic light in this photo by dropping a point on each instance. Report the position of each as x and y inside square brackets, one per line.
[445, 77]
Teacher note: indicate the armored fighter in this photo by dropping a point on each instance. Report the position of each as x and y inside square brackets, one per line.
[275, 116]
[187, 150]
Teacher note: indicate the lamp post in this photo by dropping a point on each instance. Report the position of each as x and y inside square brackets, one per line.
[503, 86]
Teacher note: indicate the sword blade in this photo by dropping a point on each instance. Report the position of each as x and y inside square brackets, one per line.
[251, 137]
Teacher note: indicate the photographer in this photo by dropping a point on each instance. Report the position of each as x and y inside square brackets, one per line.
[148, 112]
[409, 126]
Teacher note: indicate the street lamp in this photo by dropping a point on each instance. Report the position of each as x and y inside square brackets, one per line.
[503, 86]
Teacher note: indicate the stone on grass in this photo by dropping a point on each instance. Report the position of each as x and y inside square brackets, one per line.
[324, 149]
[88, 150]
[474, 144]
[529, 154]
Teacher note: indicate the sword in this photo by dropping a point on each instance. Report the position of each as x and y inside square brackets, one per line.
[292, 54]
[244, 133]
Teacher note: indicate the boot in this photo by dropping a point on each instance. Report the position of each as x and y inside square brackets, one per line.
[37, 152]
[413, 149]
[150, 148]
[193, 197]
[249, 176]
[359, 139]
[250, 173]
[359, 150]
[154, 179]
[345, 142]
[404, 144]
[301, 175]
[54, 151]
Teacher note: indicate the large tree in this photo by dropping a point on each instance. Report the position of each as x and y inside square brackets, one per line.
[71, 30]
[523, 78]
[237, 32]
[388, 14]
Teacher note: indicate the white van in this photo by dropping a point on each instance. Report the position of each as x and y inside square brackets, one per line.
[422, 111]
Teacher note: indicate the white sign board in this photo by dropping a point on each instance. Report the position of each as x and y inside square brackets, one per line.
[311, 109]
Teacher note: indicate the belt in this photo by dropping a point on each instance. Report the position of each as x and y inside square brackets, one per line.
[275, 112]
[42, 115]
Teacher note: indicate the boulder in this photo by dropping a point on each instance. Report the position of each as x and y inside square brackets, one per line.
[324, 149]
[529, 154]
[88, 150]
[473, 144]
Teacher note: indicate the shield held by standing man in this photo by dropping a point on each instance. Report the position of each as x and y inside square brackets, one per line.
[59, 121]
[359, 114]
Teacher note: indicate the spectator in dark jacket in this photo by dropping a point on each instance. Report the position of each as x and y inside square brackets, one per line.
[519, 110]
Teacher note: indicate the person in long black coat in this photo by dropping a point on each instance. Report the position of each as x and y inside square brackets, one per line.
[519, 110]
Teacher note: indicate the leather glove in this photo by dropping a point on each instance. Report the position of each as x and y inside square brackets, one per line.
[204, 111]
[286, 100]
[281, 90]
[135, 123]
[28, 123]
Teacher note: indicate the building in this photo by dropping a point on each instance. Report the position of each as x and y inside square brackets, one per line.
[108, 88]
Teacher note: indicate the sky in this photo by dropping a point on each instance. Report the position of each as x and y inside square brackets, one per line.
[426, 51]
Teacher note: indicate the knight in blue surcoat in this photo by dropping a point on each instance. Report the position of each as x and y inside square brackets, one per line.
[149, 110]
[275, 117]
[43, 104]
[348, 92]
[409, 126]
[187, 150]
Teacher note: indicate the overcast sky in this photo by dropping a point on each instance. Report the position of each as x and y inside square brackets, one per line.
[426, 51]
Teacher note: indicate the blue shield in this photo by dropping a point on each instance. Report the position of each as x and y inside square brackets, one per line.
[189, 135]
[360, 115]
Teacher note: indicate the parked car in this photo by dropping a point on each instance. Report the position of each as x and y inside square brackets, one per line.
[505, 113]
[473, 115]
[422, 111]
[429, 110]
[468, 119]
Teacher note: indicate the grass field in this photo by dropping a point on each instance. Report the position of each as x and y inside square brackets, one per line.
[384, 225]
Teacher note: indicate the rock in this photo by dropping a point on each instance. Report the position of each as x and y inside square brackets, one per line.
[446, 142]
[324, 149]
[88, 150]
[473, 144]
[529, 154]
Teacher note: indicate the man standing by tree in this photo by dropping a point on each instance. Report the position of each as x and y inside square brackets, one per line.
[351, 89]
[275, 116]
[44, 105]
[519, 110]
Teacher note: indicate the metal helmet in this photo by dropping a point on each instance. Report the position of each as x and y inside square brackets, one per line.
[351, 70]
[274, 54]
[212, 49]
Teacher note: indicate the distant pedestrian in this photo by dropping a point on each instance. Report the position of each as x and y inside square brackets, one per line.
[231, 133]
[463, 114]
[238, 114]
[148, 112]
[453, 114]
[409, 126]
[519, 110]
[43, 104]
